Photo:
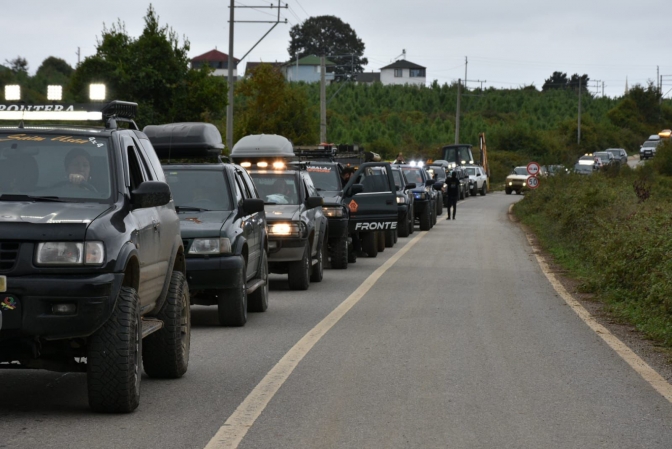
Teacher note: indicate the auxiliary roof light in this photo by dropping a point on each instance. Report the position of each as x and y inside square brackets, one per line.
[421, 164]
[278, 165]
[97, 92]
[12, 92]
[413, 164]
[54, 93]
[262, 164]
[246, 164]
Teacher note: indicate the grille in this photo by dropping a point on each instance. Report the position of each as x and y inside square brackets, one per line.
[9, 252]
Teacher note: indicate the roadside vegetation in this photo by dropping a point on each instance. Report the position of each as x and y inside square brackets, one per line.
[613, 232]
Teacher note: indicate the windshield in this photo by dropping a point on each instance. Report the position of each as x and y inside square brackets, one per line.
[202, 189]
[440, 173]
[579, 168]
[650, 143]
[324, 177]
[471, 171]
[413, 174]
[67, 167]
[603, 155]
[277, 188]
[519, 171]
[616, 153]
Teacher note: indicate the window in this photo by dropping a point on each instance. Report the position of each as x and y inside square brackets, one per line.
[417, 73]
[243, 187]
[398, 73]
[149, 153]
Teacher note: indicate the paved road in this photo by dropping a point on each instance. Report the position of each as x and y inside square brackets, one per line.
[634, 161]
[461, 343]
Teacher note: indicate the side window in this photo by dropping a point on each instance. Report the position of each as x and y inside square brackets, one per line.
[242, 187]
[148, 174]
[306, 193]
[153, 159]
[250, 184]
[135, 171]
[311, 188]
[239, 193]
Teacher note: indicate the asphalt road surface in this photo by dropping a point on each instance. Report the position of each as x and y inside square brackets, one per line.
[461, 343]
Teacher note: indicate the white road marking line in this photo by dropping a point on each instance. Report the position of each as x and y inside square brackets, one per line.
[236, 427]
[642, 368]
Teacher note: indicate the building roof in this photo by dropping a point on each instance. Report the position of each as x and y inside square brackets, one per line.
[403, 64]
[253, 65]
[368, 77]
[310, 60]
[213, 56]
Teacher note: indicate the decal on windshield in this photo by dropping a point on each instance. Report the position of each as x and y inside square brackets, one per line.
[64, 139]
[318, 169]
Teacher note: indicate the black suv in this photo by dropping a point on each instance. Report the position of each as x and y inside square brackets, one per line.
[297, 227]
[91, 261]
[425, 194]
[405, 199]
[222, 222]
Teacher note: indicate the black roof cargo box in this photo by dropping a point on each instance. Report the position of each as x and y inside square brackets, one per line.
[185, 140]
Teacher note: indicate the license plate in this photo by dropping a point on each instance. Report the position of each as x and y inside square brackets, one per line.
[3, 284]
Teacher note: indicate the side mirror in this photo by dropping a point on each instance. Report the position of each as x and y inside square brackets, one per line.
[411, 185]
[252, 205]
[438, 185]
[150, 194]
[314, 201]
[429, 182]
[355, 189]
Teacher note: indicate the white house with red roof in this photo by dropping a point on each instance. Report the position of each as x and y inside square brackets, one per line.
[218, 61]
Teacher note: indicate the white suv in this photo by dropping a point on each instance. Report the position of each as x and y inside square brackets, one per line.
[478, 180]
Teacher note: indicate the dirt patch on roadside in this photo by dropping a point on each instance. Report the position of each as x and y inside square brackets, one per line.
[656, 355]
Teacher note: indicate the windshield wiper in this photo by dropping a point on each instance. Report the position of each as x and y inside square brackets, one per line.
[269, 202]
[190, 209]
[10, 197]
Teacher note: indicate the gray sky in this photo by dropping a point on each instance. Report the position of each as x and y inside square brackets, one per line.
[509, 43]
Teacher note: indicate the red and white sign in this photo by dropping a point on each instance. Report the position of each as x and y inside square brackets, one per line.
[533, 168]
[532, 182]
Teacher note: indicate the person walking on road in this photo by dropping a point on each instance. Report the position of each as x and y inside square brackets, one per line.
[453, 191]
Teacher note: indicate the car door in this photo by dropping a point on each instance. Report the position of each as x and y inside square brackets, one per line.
[146, 235]
[250, 228]
[376, 207]
[317, 213]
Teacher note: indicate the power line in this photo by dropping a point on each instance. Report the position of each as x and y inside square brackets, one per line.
[297, 2]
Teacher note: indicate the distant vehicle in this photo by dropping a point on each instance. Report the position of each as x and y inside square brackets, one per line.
[556, 169]
[648, 149]
[478, 180]
[405, 200]
[583, 169]
[516, 181]
[654, 137]
[620, 154]
[457, 155]
[425, 196]
[464, 181]
[606, 157]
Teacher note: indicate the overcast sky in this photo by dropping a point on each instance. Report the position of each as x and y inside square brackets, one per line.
[509, 43]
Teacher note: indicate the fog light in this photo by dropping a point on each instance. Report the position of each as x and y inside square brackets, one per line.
[272, 245]
[64, 309]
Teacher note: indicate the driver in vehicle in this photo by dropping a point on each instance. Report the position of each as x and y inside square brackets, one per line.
[78, 167]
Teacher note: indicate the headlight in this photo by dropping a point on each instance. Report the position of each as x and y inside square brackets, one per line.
[332, 211]
[70, 253]
[420, 195]
[401, 200]
[285, 229]
[510, 183]
[215, 245]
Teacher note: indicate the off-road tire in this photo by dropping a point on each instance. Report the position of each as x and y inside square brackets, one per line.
[411, 221]
[317, 272]
[426, 219]
[395, 233]
[380, 241]
[402, 227]
[299, 272]
[165, 353]
[232, 304]
[339, 253]
[439, 208]
[114, 358]
[257, 301]
[389, 238]
[484, 188]
[352, 255]
[508, 191]
[369, 244]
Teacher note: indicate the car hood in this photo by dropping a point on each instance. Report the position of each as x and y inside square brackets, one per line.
[278, 212]
[38, 212]
[517, 177]
[203, 224]
[331, 198]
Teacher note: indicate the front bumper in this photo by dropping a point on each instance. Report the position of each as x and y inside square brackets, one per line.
[286, 249]
[215, 272]
[28, 302]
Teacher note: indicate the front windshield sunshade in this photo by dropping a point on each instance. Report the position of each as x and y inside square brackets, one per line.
[277, 188]
[325, 177]
[66, 167]
[199, 189]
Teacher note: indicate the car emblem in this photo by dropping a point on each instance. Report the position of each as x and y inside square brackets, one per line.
[8, 303]
[353, 206]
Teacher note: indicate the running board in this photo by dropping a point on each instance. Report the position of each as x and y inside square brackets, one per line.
[254, 285]
[150, 325]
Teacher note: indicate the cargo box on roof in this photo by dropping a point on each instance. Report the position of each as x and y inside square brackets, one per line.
[185, 140]
[269, 146]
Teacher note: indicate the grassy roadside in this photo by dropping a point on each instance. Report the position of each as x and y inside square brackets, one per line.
[613, 232]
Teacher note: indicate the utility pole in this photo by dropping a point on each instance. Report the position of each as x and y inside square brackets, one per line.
[603, 88]
[230, 64]
[578, 136]
[232, 61]
[457, 113]
[323, 99]
[79, 56]
[658, 78]
[466, 63]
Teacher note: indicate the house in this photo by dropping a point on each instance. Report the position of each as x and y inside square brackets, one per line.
[217, 60]
[307, 69]
[367, 78]
[403, 72]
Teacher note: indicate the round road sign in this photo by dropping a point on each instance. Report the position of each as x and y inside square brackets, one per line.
[532, 182]
[533, 168]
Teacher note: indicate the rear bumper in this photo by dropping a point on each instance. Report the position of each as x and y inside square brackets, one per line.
[28, 303]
